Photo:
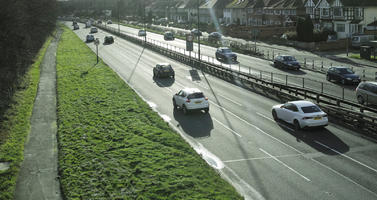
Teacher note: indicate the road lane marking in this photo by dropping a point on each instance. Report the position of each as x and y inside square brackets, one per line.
[277, 160]
[345, 177]
[354, 160]
[234, 132]
[263, 157]
[264, 116]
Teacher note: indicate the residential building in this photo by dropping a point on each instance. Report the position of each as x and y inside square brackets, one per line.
[235, 12]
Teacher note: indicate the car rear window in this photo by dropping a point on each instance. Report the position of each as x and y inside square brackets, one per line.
[195, 95]
[310, 109]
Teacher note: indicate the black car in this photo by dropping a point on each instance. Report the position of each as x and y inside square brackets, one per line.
[288, 62]
[214, 36]
[342, 74]
[168, 35]
[226, 54]
[76, 27]
[109, 39]
[196, 32]
[89, 38]
[93, 30]
[163, 70]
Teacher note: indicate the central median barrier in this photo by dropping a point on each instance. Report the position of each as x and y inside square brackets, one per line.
[359, 117]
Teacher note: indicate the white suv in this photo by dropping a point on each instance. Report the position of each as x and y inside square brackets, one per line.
[190, 99]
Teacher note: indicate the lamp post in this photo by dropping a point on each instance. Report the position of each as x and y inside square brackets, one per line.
[118, 18]
[198, 36]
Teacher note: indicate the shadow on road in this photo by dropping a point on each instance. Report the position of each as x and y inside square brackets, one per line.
[197, 124]
[290, 71]
[164, 82]
[194, 75]
[320, 139]
[137, 62]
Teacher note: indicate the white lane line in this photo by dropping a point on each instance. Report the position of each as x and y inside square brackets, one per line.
[235, 102]
[345, 177]
[262, 158]
[277, 160]
[234, 132]
[264, 116]
[356, 161]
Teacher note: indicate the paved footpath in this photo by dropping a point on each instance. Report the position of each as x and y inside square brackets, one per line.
[38, 177]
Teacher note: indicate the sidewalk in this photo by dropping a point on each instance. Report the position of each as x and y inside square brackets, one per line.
[38, 176]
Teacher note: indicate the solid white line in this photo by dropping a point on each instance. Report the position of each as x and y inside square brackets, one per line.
[230, 100]
[277, 160]
[261, 158]
[264, 116]
[356, 161]
[345, 177]
[226, 127]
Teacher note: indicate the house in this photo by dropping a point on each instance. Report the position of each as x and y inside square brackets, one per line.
[342, 16]
[211, 11]
[235, 12]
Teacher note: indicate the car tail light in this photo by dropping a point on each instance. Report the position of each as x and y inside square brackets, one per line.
[206, 98]
[304, 118]
[188, 101]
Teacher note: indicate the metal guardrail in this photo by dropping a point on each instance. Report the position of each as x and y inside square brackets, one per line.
[337, 108]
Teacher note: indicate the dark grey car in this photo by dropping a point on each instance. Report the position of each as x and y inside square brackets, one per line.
[342, 74]
[366, 93]
[225, 54]
[163, 70]
[288, 62]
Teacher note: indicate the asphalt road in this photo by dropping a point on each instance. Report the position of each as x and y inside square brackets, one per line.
[263, 159]
[313, 80]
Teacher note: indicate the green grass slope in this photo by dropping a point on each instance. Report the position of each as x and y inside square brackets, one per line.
[113, 146]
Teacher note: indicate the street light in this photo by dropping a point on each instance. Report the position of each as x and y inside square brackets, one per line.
[198, 36]
[118, 18]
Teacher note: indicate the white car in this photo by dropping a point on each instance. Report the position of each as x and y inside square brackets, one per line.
[190, 99]
[301, 114]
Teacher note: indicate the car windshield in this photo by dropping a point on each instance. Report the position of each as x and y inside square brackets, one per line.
[196, 95]
[289, 58]
[227, 51]
[345, 71]
[355, 39]
[310, 109]
[166, 67]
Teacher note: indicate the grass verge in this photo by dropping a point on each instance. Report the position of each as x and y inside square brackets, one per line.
[113, 146]
[16, 126]
[357, 56]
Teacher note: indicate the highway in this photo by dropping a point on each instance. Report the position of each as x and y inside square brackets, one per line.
[313, 80]
[262, 158]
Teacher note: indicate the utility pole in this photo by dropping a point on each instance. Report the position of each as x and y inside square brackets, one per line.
[198, 35]
[118, 18]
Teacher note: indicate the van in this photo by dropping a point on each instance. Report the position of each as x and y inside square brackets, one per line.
[366, 93]
[360, 40]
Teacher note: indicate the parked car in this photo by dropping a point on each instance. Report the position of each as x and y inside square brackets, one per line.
[109, 22]
[108, 39]
[214, 36]
[163, 70]
[76, 27]
[342, 74]
[301, 114]
[226, 54]
[360, 40]
[168, 35]
[93, 30]
[89, 38]
[366, 93]
[285, 61]
[189, 99]
[196, 32]
[142, 33]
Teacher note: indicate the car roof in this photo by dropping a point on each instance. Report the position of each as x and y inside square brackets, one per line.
[191, 90]
[223, 48]
[340, 67]
[287, 56]
[302, 103]
[163, 64]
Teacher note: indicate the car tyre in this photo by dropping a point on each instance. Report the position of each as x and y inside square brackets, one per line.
[206, 110]
[274, 115]
[297, 125]
[360, 99]
[185, 111]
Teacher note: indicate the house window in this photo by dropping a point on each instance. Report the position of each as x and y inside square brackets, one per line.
[325, 12]
[340, 28]
[277, 12]
[357, 12]
[337, 12]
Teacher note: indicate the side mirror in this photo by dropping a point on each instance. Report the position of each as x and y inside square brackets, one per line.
[282, 106]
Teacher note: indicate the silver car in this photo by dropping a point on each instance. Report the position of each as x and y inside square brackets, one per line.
[366, 93]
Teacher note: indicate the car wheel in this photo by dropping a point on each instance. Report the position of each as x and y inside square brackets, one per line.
[175, 104]
[185, 111]
[360, 99]
[328, 77]
[343, 82]
[154, 74]
[206, 110]
[297, 125]
[274, 115]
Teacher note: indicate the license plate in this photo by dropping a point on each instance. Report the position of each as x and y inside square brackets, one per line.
[317, 118]
[166, 70]
[197, 102]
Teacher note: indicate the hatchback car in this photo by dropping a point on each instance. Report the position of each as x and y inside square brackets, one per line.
[108, 39]
[168, 35]
[93, 30]
[142, 33]
[226, 54]
[196, 32]
[189, 99]
[214, 37]
[89, 38]
[301, 114]
[288, 62]
[342, 74]
[163, 70]
[366, 93]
